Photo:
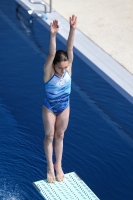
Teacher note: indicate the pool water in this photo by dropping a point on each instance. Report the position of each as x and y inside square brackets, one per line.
[98, 143]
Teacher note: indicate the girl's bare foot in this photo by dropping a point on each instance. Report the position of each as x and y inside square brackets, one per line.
[50, 174]
[59, 173]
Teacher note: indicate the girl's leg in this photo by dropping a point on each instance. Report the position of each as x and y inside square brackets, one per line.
[49, 125]
[60, 127]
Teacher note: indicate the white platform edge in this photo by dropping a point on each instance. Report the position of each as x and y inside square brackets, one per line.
[90, 53]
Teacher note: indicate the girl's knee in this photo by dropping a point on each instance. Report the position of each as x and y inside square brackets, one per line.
[59, 134]
[49, 137]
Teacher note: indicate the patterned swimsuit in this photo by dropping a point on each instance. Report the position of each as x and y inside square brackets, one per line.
[57, 93]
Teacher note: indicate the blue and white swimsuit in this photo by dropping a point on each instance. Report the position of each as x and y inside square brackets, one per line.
[57, 93]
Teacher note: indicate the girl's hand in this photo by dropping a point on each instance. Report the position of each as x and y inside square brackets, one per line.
[73, 21]
[54, 27]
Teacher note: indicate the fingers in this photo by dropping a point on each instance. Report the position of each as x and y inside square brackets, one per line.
[54, 23]
[73, 18]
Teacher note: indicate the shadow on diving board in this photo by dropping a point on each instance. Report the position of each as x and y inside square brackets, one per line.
[72, 187]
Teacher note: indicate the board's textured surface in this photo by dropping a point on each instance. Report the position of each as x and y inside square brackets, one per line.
[72, 187]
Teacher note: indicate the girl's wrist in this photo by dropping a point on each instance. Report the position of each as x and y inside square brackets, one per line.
[72, 28]
[53, 34]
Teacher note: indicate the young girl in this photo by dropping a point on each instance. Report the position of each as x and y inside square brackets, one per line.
[55, 113]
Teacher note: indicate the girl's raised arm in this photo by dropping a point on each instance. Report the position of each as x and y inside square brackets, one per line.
[70, 41]
[54, 27]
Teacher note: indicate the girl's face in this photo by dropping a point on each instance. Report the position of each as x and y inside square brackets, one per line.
[61, 67]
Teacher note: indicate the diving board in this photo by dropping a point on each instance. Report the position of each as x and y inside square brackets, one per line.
[71, 188]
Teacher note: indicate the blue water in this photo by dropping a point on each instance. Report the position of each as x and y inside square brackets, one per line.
[98, 143]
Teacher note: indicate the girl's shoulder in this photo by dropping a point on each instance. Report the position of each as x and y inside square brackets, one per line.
[48, 74]
[69, 70]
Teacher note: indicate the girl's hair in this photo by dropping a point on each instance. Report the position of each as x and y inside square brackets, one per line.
[60, 56]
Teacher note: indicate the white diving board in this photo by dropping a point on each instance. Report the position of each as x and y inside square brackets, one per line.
[71, 188]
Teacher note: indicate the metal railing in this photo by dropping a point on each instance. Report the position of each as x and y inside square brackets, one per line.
[43, 3]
